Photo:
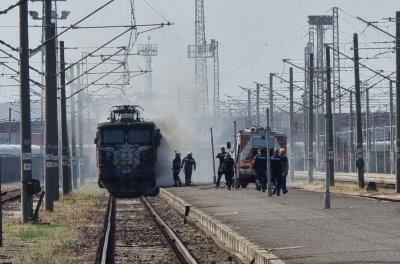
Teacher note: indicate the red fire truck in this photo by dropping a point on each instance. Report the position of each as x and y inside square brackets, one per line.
[248, 142]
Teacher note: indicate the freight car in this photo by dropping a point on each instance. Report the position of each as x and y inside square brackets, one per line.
[126, 153]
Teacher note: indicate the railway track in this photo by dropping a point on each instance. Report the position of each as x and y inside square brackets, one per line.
[10, 195]
[134, 233]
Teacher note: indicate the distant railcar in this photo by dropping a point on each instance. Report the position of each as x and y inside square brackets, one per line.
[126, 153]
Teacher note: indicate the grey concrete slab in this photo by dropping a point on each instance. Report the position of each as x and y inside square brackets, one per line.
[296, 228]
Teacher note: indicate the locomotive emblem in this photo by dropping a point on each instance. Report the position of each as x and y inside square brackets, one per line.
[127, 157]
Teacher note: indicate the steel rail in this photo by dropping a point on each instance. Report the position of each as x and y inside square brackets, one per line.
[173, 239]
[103, 252]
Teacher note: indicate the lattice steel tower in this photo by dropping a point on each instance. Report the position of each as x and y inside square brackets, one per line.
[200, 52]
[148, 50]
[320, 24]
[336, 61]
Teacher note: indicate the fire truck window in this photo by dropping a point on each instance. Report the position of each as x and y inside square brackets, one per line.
[113, 136]
[139, 137]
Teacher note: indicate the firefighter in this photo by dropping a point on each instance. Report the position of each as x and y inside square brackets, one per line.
[176, 168]
[276, 170]
[260, 167]
[229, 169]
[188, 165]
[285, 161]
[221, 156]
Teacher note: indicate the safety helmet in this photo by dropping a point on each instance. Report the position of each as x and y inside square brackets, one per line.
[189, 153]
[282, 151]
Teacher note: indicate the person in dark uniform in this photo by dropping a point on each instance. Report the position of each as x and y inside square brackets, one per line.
[188, 165]
[229, 169]
[276, 172]
[176, 168]
[285, 161]
[260, 167]
[221, 156]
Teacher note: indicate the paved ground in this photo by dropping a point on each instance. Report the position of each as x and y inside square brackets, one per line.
[296, 228]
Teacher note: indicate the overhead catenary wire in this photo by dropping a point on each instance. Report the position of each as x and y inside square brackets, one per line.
[98, 79]
[70, 27]
[5, 11]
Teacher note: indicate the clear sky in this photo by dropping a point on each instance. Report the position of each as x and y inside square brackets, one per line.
[254, 36]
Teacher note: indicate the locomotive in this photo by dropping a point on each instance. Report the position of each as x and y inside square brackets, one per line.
[126, 153]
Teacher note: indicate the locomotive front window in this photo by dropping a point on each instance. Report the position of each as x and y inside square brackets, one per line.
[139, 137]
[113, 136]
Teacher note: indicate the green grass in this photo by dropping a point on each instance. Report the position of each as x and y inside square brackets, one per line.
[59, 237]
[32, 231]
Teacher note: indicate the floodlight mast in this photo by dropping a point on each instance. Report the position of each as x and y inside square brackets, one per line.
[148, 50]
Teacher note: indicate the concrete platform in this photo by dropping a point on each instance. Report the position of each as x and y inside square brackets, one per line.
[294, 228]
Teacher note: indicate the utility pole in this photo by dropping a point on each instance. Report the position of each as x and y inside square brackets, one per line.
[248, 121]
[214, 49]
[329, 132]
[73, 134]
[271, 99]
[66, 170]
[307, 51]
[311, 121]
[236, 157]
[9, 125]
[213, 155]
[398, 100]
[248, 107]
[26, 148]
[80, 127]
[51, 179]
[351, 154]
[392, 151]
[329, 150]
[258, 103]
[269, 178]
[367, 130]
[291, 134]
[360, 160]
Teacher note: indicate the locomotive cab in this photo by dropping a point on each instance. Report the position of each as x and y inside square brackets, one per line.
[126, 150]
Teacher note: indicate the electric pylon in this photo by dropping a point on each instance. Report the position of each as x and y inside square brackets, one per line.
[200, 51]
[320, 24]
